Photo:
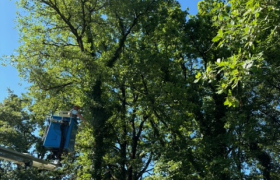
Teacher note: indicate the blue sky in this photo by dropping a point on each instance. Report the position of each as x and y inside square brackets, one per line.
[9, 42]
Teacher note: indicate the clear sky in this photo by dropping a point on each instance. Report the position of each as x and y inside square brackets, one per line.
[9, 43]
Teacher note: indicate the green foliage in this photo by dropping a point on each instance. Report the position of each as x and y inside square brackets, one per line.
[16, 127]
[163, 97]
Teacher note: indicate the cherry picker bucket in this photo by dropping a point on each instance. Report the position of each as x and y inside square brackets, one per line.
[61, 133]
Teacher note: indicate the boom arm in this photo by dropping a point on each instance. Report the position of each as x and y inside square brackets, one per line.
[23, 159]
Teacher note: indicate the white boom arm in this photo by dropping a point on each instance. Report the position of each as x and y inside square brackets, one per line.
[23, 159]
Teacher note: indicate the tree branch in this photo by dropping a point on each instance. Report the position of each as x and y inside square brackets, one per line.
[57, 86]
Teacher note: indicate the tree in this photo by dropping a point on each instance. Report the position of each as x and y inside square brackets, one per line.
[99, 53]
[16, 127]
[243, 29]
[16, 132]
[163, 96]
[232, 140]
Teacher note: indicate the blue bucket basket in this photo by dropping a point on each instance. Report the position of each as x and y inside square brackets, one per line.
[58, 125]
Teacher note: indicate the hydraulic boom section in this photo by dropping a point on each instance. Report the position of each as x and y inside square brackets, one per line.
[25, 159]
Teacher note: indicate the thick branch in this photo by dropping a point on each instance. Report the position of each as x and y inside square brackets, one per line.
[67, 21]
[122, 40]
[57, 86]
[146, 166]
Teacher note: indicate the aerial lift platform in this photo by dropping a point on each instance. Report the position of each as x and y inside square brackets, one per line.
[59, 137]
